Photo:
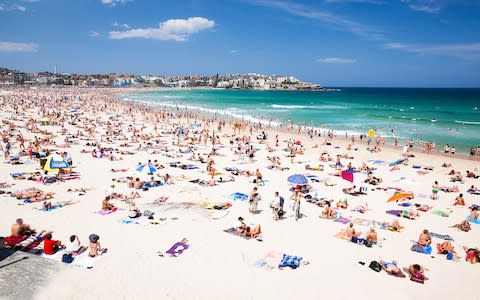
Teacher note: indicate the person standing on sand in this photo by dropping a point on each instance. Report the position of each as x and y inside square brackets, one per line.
[296, 197]
[435, 188]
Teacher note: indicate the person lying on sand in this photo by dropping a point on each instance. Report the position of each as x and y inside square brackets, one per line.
[245, 230]
[106, 205]
[463, 226]
[392, 268]
[449, 189]
[417, 272]
[49, 205]
[446, 247]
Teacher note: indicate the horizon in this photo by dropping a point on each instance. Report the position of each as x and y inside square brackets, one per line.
[364, 43]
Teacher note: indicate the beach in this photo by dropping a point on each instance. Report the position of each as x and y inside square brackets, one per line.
[216, 264]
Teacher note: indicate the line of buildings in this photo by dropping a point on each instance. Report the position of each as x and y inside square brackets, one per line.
[237, 81]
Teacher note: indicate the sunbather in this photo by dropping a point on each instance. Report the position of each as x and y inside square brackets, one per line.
[417, 273]
[371, 236]
[47, 205]
[328, 212]
[391, 268]
[463, 226]
[51, 246]
[94, 248]
[350, 232]
[21, 229]
[106, 205]
[446, 247]
[473, 254]
[73, 246]
[424, 239]
[459, 200]
[474, 215]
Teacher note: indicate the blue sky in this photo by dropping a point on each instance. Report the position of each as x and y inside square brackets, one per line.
[414, 43]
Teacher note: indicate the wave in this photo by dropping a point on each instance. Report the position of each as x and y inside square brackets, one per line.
[467, 122]
[308, 106]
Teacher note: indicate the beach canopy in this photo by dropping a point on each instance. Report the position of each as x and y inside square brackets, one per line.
[371, 133]
[54, 163]
[400, 196]
[297, 179]
[347, 175]
[145, 169]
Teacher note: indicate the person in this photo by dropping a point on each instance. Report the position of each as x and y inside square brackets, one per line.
[328, 212]
[395, 225]
[435, 189]
[242, 228]
[255, 198]
[134, 212]
[21, 229]
[277, 206]
[350, 232]
[106, 205]
[73, 246]
[474, 215]
[459, 200]
[473, 254]
[253, 233]
[259, 177]
[463, 226]
[417, 273]
[424, 239]
[296, 197]
[47, 205]
[371, 236]
[95, 248]
[51, 246]
[392, 268]
[446, 247]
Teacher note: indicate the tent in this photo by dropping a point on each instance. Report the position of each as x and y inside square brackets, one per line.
[54, 163]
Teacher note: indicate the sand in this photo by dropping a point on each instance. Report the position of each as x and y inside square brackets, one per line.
[219, 265]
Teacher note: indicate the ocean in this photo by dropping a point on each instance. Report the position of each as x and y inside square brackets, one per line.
[443, 116]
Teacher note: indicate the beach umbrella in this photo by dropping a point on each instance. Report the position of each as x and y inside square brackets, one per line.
[353, 176]
[297, 179]
[371, 133]
[400, 196]
[145, 169]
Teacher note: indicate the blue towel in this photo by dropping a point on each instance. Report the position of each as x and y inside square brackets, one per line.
[290, 261]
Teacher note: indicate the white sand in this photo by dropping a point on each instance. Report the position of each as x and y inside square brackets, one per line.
[219, 265]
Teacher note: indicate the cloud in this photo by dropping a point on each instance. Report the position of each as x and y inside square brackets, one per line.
[464, 51]
[13, 7]
[174, 29]
[427, 6]
[116, 24]
[18, 47]
[326, 17]
[93, 34]
[114, 2]
[233, 51]
[354, 1]
[336, 60]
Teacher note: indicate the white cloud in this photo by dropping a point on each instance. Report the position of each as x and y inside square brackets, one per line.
[427, 6]
[18, 47]
[174, 29]
[233, 51]
[116, 24]
[339, 22]
[114, 2]
[336, 60]
[93, 34]
[464, 51]
[12, 7]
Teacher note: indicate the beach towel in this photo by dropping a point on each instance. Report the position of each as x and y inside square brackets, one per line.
[361, 222]
[239, 196]
[421, 249]
[139, 221]
[471, 220]
[104, 212]
[50, 209]
[341, 219]
[441, 236]
[441, 213]
[232, 231]
[395, 212]
[177, 249]
[290, 261]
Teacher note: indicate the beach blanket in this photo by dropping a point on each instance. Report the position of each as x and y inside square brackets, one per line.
[471, 220]
[341, 219]
[139, 221]
[232, 231]
[361, 222]
[55, 207]
[421, 249]
[290, 261]
[177, 248]
[441, 213]
[239, 196]
[441, 236]
[104, 212]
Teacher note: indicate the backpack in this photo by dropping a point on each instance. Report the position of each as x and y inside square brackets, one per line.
[282, 201]
[67, 258]
[375, 265]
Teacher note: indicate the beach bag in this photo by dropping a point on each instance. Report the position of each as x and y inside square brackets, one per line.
[368, 244]
[67, 258]
[418, 277]
[375, 265]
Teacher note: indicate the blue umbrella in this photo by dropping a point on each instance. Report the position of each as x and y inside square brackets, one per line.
[146, 169]
[297, 179]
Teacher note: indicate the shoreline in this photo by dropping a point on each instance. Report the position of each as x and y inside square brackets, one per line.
[337, 138]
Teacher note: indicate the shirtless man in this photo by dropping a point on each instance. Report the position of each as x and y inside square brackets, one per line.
[459, 200]
[424, 239]
[20, 229]
[106, 205]
[328, 212]
[350, 231]
[372, 236]
[474, 215]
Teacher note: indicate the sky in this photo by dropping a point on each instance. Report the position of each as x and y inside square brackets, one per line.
[336, 43]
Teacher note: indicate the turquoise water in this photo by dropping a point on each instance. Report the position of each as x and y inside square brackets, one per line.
[444, 116]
